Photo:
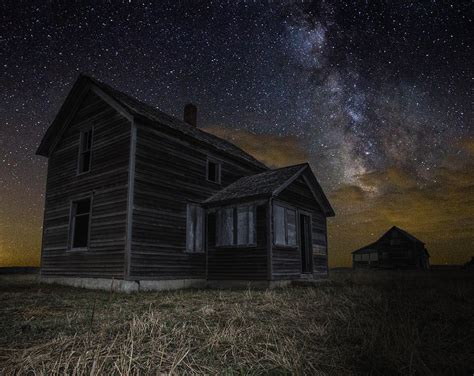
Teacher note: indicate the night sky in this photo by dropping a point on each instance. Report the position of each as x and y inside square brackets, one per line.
[377, 96]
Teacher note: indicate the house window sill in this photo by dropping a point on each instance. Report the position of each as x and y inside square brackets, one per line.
[242, 246]
[77, 250]
[288, 247]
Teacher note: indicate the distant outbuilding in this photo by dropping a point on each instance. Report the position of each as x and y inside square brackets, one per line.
[396, 249]
[469, 265]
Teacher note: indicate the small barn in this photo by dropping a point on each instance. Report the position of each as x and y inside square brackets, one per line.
[469, 265]
[143, 200]
[396, 249]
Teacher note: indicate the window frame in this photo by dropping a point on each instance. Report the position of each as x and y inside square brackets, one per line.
[72, 224]
[297, 236]
[202, 211]
[218, 164]
[84, 131]
[371, 258]
[235, 226]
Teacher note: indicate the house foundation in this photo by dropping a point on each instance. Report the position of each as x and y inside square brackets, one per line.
[127, 286]
[120, 285]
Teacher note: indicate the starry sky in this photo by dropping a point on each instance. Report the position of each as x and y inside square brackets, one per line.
[377, 96]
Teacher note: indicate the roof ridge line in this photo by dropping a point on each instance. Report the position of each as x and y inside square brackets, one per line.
[281, 168]
[246, 156]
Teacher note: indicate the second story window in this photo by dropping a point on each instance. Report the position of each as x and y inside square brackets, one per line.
[213, 171]
[85, 151]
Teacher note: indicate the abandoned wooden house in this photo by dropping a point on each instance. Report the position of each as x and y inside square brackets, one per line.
[138, 199]
[396, 249]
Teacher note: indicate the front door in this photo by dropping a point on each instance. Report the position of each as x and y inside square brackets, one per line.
[305, 244]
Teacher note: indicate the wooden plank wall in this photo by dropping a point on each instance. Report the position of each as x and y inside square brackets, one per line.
[107, 182]
[171, 171]
[286, 262]
[406, 254]
[238, 263]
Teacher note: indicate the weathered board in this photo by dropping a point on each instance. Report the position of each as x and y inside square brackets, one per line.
[145, 169]
[286, 262]
[106, 182]
[238, 263]
[170, 171]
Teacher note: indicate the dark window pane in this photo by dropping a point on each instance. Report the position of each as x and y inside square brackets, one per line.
[86, 140]
[85, 148]
[291, 226]
[81, 231]
[198, 236]
[212, 228]
[190, 228]
[251, 225]
[83, 142]
[194, 228]
[89, 139]
[243, 225]
[83, 206]
[85, 161]
[279, 224]
[211, 171]
[226, 226]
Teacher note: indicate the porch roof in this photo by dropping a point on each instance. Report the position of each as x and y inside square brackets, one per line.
[268, 184]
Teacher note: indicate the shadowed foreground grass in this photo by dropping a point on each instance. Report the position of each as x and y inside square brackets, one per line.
[356, 324]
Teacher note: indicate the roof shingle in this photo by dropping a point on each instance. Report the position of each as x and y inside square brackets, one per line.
[258, 185]
[155, 115]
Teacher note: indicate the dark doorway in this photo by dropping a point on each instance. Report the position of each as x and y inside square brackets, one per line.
[305, 243]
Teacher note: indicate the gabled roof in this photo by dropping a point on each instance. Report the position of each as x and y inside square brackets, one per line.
[406, 234]
[371, 246]
[393, 228]
[268, 184]
[134, 108]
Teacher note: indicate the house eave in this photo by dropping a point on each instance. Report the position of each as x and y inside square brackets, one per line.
[242, 200]
[322, 201]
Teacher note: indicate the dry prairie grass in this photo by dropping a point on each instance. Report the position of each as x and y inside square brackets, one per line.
[390, 324]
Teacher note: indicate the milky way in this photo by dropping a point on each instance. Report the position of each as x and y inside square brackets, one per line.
[361, 89]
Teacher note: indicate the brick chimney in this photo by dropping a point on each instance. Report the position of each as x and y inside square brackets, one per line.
[190, 114]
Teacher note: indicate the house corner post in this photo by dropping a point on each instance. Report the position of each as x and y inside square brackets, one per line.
[43, 230]
[269, 240]
[130, 197]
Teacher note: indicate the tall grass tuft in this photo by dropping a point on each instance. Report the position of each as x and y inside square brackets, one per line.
[358, 323]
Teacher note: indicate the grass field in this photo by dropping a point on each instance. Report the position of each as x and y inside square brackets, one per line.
[356, 324]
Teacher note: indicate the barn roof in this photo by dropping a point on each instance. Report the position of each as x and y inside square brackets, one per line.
[408, 235]
[394, 228]
[138, 109]
[270, 183]
[371, 246]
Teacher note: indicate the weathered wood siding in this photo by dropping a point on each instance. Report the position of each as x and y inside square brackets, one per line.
[286, 262]
[170, 171]
[238, 263]
[401, 255]
[106, 182]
